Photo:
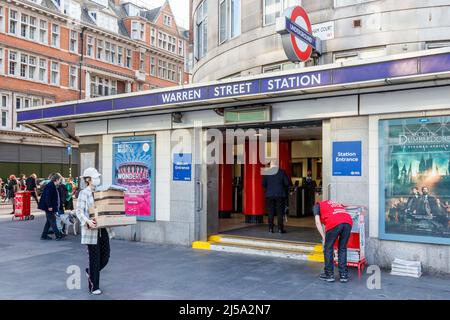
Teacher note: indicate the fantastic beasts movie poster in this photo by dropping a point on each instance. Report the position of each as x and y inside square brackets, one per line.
[415, 155]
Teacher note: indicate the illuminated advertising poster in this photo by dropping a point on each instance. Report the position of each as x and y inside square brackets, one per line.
[134, 169]
[415, 179]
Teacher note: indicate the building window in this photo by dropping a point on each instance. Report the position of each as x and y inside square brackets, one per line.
[128, 58]
[103, 87]
[162, 69]
[153, 37]
[4, 108]
[180, 47]
[162, 40]
[137, 30]
[43, 70]
[2, 20]
[172, 72]
[274, 8]
[54, 78]
[55, 35]
[32, 67]
[108, 51]
[120, 56]
[73, 77]
[201, 30]
[173, 45]
[43, 26]
[36, 102]
[152, 66]
[99, 49]
[2, 70]
[13, 63]
[167, 20]
[142, 61]
[73, 41]
[90, 46]
[33, 28]
[13, 16]
[113, 53]
[229, 19]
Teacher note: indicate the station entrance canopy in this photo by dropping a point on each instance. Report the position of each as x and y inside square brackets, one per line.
[349, 77]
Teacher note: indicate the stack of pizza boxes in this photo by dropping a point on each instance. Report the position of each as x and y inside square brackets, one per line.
[109, 209]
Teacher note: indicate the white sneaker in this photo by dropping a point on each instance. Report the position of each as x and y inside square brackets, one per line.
[97, 292]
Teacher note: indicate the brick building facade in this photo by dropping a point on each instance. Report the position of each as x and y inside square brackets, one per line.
[59, 50]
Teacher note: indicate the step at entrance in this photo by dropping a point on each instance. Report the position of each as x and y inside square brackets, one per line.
[264, 247]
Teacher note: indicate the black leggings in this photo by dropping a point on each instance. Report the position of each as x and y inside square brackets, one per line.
[98, 258]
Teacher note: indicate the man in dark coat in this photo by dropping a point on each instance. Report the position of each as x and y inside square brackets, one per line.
[276, 183]
[50, 203]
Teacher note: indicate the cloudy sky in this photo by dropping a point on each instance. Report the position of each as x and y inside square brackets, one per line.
[180, 9]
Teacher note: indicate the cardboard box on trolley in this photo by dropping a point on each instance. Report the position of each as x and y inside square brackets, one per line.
[109, 209]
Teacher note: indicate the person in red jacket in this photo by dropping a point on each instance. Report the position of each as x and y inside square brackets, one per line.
[338, 224]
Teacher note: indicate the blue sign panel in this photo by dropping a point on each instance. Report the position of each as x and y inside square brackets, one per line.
[300, 33]
[271, 84]
[182, 166]
[347, 158]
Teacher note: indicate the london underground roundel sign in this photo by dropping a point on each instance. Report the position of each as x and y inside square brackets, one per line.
[296, 34]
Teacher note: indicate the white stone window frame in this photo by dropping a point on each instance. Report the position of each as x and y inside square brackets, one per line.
[2, 60]
[167, 20]
[129, 58]
[153, 66]
[14, 21]
[56, 37]
[141, 61]
[13, 60]
[120, 55]
[73, 41]
[153, 37]
[100, 50]
[5, 109]
[90, 46]
[108, 51]
[181, 47]
[43, 66]
[2, 19]
[43, 31]
[55, 70]
[73, 77]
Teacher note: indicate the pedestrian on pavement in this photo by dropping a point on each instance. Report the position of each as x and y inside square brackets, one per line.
[13, 187]
[338, 225]
[32, 187]
[69, 195]
[22, 182]
[276, 183]
[50, 202]
[97, 240]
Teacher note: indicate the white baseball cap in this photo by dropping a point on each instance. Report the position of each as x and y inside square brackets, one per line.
[91, 172]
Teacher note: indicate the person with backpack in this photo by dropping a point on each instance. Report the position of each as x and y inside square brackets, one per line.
[31, 186]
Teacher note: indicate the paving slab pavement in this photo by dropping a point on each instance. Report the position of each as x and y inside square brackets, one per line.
[35, 269]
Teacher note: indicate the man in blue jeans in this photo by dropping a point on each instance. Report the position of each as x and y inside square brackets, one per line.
[50, 203]
[338, 225]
